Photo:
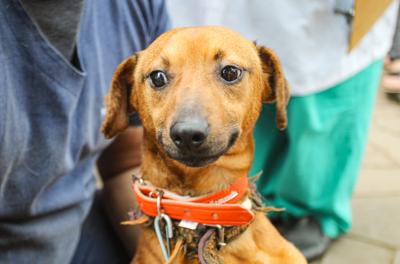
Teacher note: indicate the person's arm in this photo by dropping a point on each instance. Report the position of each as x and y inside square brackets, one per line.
[116, 165]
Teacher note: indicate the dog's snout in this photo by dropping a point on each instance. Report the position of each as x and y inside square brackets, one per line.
[189, 135]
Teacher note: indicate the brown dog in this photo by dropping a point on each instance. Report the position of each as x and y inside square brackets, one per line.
[199, 92]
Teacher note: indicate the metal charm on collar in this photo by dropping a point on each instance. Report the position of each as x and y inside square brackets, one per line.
[165, 247]
[137, 178]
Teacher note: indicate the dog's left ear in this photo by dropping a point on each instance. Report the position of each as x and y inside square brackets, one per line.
[276, 88]
[118, 98]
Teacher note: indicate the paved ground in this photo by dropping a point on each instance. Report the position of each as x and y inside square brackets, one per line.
[375, 235]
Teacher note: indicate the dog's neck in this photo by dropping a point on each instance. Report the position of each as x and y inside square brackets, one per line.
[169, 174]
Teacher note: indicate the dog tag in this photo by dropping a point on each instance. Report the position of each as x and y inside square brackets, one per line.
[188, 224]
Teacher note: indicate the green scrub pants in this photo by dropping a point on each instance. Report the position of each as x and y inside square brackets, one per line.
[311, 167]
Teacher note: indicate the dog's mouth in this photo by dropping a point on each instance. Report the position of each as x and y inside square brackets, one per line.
[203, 157]
[196, 161]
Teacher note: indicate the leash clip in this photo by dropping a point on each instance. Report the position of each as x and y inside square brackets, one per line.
[221, 235]
[165, 247]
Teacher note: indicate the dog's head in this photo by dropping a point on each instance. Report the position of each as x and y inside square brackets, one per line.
[198, 92]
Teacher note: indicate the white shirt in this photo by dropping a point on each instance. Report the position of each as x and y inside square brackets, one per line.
[309, 38]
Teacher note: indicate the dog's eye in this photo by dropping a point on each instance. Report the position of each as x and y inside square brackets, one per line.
[231, 74]
[158, 79]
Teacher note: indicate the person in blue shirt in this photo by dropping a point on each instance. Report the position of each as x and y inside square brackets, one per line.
[56, 61]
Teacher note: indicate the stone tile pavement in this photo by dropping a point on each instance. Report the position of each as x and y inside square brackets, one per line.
[375, 235]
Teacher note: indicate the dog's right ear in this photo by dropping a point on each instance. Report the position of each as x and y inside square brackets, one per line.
[118, 98]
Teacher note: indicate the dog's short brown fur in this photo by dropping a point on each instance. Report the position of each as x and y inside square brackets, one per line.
[192, 59]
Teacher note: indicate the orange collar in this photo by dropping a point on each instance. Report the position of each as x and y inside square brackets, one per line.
[215, 209]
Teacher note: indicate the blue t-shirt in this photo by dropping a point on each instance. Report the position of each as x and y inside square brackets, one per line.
[50, 117]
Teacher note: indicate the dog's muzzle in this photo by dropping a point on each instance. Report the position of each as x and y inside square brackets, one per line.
[190, 142]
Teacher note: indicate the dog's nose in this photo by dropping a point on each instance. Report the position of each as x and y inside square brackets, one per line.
[189, 135]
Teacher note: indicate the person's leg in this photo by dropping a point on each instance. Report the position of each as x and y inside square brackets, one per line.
[394, 52]
[310, 168]
[391, 78]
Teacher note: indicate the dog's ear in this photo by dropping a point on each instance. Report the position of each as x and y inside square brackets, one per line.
[118, 98]
[276, 87]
